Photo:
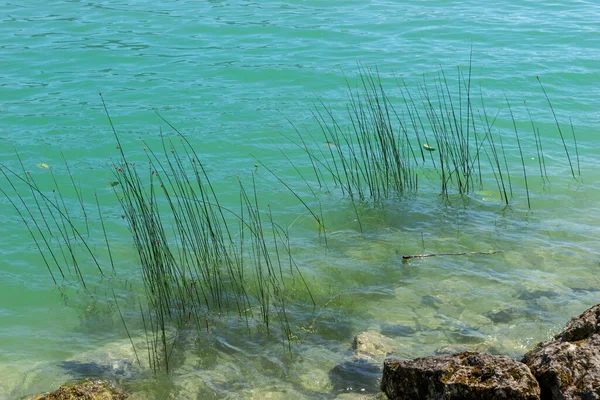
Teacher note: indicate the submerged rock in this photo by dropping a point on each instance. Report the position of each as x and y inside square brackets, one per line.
[568, 367]
[462, 376]
[361, 372]
[356, 375]
[372, 345]
[85, 390]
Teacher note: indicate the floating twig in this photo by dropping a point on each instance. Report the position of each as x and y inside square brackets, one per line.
[466, 253]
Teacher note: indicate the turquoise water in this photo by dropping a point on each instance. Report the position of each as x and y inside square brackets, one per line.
[227, 74]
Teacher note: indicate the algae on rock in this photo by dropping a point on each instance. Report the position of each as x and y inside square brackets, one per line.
[85, 390]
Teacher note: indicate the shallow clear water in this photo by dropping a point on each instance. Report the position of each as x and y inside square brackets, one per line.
[227, 74]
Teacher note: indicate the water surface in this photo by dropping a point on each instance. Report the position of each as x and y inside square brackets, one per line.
[227, 74]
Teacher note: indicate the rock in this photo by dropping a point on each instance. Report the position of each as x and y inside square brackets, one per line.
[463, 376]
[85, 390]
[372, 345]
[316, 379]
[361, 372]
[310, 371]
[568, 367]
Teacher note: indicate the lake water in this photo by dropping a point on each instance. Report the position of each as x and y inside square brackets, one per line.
[233, 76]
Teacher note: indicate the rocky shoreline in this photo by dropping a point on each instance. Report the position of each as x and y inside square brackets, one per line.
[566, 367]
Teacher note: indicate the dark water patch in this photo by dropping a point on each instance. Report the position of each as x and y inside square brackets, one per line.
[333, 327]
[459, 332]
[393, 330]
[501, 316]
[526, 294]
[112, 370]
[356, 375]
[467, 336]
[431, 301]
[585, 290]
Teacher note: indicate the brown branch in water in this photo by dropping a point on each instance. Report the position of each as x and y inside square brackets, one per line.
[449, 254]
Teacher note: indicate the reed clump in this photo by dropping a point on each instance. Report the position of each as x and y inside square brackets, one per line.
[198, 259]
[438, 131]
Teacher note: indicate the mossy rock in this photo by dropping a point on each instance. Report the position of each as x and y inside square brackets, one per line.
[85, 390]
[568, 367]
[462, 376]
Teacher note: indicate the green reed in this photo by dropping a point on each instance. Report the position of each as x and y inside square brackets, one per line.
[48, 222]
[388, 141]
[197, 258]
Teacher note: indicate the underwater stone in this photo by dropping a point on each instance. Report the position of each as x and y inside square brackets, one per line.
[372, 345]
[568, 367]
[464, 376]
[361, 373]
[316, 380]
[310, 371]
